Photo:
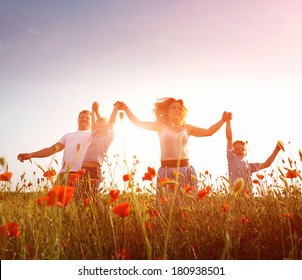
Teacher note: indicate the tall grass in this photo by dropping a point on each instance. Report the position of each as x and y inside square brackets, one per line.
[216, 224]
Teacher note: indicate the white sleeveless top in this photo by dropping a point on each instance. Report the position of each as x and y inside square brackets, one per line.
[174, 145]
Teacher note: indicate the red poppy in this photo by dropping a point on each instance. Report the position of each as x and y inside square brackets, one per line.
[287, 215]
[292, 174]
[163, 200]
[255, 181]
[203, 193]
[153, 213]
[86, 201]
[260, 176]
[122, 210]
[225, 207]
[59, 196]
[10, 229]
[74, 178]
[6, 176]
[188, 189]
[122, 255]
[127, 177]
[244, 220]
[49, 174]
[147, 177]
[114, 195]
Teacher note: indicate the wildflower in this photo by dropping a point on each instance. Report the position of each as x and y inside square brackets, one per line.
[81, 172]
[122, 210]
[49, 174]
[74, 178]
[163, 200]
[127, 177]
[138, 190]
[148, 226]
[188, 189]
[10, 229]
[6, 176]
[225, 207]
[238, 185]
[260, 176]
[206, 172]
[153, 213]
[203, 193]
[255, 181]
[292, 173]
[287, 215]
[59, 196]
[86, 201]
[114, 195]
[122, 254]
[281, 145]
[244, 220]
[150, 174]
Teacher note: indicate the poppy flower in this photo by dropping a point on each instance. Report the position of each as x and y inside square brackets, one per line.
[203, 193]
[86, 201]
[6, 176]
[163, 200]
[59, 196]
[49, 174]
[74, 178]
[10, 229]
[255, 181]
[287, 215]
[244, 220]
[291, 174]
[225, 207]
[122, 210]
[122, 254]
[188, 189]
[127, 177]
[114, 195]
[260, 176]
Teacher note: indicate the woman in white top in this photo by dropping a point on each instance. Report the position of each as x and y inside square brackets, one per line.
[174, 134]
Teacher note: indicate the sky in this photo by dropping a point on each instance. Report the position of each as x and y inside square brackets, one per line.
[58, 57]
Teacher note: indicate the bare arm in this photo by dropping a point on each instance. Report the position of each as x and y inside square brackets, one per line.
[95, 114]
[229, 134]
[154, 126]
[42, 153]
[271, 158]
[114, 114]
[201, 132]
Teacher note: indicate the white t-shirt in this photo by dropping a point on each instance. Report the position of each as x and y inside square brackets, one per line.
[76, 144]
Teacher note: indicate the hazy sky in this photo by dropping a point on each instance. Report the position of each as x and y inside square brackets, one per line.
[57, 57]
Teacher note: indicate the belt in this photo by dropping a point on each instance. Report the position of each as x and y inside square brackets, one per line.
[175, 163]
[91, 164]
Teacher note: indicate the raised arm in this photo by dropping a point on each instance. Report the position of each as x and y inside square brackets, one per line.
[95, 114]
[42, 153]
[113, 115]
[154, 126]
[271, 158]
[202, 132]
[229, 134]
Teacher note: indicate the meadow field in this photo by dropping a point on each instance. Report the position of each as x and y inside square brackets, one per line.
[130, 221]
